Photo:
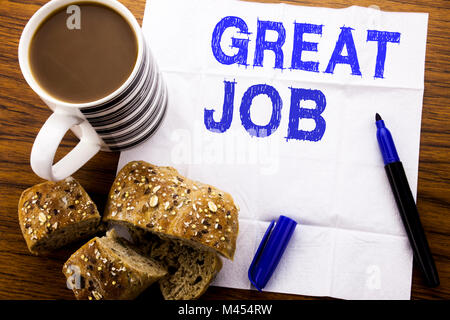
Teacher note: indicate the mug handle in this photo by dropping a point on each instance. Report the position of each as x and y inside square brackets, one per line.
[48, 140]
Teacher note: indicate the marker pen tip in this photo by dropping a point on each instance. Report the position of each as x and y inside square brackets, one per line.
[377, 117]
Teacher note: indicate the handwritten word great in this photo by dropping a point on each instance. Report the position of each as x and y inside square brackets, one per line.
[241, 42]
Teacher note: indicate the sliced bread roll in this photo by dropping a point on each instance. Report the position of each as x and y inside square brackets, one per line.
[160, 200]
[53, 214]
[190, 270]
[194, 270]
[106, 268]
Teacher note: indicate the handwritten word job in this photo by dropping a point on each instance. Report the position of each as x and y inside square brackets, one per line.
[241, 43]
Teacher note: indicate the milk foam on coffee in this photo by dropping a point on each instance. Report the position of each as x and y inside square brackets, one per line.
[84, 64]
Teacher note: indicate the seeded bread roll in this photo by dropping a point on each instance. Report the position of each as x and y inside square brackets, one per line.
[190, 270]
[53, 214]
[105, 268]
[160, 200]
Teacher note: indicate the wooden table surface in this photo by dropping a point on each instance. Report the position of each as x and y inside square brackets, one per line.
[22, 113]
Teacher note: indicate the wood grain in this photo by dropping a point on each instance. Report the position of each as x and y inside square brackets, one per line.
[22, 113]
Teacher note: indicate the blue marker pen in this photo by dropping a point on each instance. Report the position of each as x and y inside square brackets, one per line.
[406, 205]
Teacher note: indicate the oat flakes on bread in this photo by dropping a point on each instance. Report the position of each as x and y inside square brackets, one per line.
[160, 200]
[107, 268]
[53, 214]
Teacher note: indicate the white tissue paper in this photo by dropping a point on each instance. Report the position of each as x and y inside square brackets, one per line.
[349, 242]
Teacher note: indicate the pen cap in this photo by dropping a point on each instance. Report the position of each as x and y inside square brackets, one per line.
[270, 251]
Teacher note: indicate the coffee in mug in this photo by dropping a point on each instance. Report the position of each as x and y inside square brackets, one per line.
[89, 62]
[86, 62]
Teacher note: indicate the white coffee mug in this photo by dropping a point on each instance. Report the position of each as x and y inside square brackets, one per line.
[119, 121]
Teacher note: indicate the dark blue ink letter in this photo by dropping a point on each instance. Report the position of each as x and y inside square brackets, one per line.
[345, 39]
[227, 113]
[297, 113]
[300, 45]
[277, 103]
[241, 44]
[262, 44]
[382, 37]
